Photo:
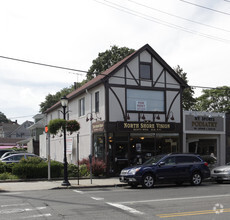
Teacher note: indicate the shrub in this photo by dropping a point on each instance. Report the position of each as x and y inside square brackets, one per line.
[2, 167]
[98, 166]
[83, 170]
[56, 169]
[7, 176]
[9, 167]
[72, 170]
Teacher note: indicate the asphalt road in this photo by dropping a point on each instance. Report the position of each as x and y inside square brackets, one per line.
[209, 201]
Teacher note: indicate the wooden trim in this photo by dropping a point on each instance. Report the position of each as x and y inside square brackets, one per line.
[118, 102]
[132, 76]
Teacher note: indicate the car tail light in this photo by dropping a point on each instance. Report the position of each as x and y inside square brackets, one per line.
[205, 163]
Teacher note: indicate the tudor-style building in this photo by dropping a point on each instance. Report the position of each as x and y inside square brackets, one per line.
[128, 113]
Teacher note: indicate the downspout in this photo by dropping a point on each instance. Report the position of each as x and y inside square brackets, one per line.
[90, 132]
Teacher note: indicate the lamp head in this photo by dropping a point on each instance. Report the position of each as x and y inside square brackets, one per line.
[64, 101]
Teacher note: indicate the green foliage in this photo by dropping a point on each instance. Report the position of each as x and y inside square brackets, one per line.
[214, 100]
[7, 176]
[56, 169]
[107, 59]
[2, 167]
[72, 170]
[72, 126]
[3, 118]
[36, 168]
[50, 100]
[188, 101]
[55, 125]
[19, 149]
[83, 170]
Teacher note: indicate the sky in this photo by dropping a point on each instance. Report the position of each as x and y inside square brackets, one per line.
[194, 34]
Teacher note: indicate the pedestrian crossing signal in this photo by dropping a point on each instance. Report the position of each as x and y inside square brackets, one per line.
[46, 128]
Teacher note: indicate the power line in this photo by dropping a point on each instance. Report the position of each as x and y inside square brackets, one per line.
[176, 16]
[42, 64]
[211, 9]
[84, 71]
[161, 22]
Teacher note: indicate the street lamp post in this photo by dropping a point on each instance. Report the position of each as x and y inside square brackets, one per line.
[64, 103]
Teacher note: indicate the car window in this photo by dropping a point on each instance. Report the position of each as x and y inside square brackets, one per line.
[153, 160]
[18, 157]
[187, 159]
[170, 161]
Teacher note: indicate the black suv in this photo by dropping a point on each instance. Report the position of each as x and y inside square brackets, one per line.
[177, 168]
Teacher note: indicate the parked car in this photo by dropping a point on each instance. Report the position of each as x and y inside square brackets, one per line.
[10, 153]
[15, 158]
[177, 168]
[221, 173]
[2, 151]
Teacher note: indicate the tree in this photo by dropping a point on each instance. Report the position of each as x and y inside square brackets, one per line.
[214, 100]
[187, 97]
[50, 100]
[3, 118]
[107, 59]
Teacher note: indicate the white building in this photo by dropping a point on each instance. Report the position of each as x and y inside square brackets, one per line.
[205, 134]
[128, 113]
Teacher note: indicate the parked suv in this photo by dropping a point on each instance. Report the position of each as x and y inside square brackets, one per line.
[15, 158]
[176, 168]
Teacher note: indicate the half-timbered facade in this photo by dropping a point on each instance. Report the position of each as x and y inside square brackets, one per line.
[127, 114]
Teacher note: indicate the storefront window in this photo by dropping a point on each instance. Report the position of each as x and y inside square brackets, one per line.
[99, 150]
[143, 146]
[204, 147]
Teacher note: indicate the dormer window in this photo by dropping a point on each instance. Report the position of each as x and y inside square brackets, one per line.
[145, 71]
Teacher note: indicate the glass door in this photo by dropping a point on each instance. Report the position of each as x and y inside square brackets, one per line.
[120, 156]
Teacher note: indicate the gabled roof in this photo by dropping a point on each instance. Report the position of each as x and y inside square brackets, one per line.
[109, 72]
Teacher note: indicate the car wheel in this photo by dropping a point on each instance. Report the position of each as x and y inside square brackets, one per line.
[148, 181]
[196, 179]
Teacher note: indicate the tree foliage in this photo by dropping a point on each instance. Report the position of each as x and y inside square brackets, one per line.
[214, 100]
[107, 59]
[3, 118]
[50, 100]
[188, 101]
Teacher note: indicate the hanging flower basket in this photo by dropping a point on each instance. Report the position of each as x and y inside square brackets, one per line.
[72, 126]
[57, 125]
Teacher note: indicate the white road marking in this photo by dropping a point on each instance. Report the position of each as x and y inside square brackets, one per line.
[173, 199]
[9, 211]
[77, 191]
[96, 198]
[125, 208]
[11, 193]
[37, 216]
[19, 204]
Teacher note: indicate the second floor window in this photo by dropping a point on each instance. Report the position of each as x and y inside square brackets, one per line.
[145, 71]
[97, 102]
[82, 107]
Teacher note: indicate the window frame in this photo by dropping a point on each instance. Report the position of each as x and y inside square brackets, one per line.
[97, 101]
[141, 71]
[130, 100]
[82, 107]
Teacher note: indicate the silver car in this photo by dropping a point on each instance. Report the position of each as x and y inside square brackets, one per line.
[221, 173]
[15, 158]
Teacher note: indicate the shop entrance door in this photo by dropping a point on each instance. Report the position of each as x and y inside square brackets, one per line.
[120, 156]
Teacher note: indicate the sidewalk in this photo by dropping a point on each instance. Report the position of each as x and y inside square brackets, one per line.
[13, 186]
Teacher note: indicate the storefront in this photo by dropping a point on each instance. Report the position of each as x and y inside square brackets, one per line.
[205, 134]
[131, 143]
